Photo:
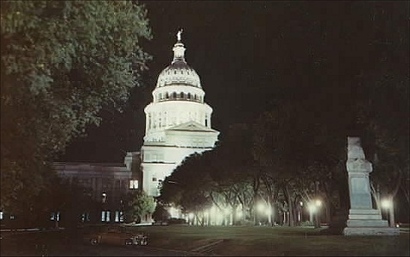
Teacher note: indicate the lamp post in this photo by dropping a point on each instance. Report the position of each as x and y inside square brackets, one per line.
[103, 207]
[387, 204]
[314, 208]
[318, 204]
[299, 209]
[264, 209]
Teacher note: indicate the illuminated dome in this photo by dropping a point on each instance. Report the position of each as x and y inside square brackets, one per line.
[178, 122]
[178, 73]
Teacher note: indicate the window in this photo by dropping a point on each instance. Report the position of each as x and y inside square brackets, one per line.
[105, 216]
[85, 217]
[154, 179]
[134, 184]
[117, 216]
[165, 118]
[55, 216]
[182, 94]
[121, 216]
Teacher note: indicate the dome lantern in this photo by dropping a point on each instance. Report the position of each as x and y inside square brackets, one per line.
[179, 49]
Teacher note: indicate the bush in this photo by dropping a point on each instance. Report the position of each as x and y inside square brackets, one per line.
[160, 214]
[307, 223]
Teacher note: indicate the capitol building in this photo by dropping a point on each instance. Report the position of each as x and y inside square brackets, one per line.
[178, 122]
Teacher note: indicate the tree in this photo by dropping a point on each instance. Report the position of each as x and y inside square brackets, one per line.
[139, 204]
[386, 130]
[189, 186]
[62, 63]
[160, 213]
[383, 109]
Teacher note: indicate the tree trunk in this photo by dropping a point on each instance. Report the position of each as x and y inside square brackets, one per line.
[290, 208]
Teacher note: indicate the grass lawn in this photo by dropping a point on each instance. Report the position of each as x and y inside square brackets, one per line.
[268, 241]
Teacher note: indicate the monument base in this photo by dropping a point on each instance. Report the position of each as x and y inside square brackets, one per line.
[371, 231]
[368, 222]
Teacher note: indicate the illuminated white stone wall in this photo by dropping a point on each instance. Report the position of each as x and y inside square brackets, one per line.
[178, 122]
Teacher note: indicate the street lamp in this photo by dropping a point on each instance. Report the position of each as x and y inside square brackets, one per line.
[299, 209]
[264, 209]
[191, 218]
[387, 204]
[261, 207]
[104, 212]
[227, 216]
[314, 210]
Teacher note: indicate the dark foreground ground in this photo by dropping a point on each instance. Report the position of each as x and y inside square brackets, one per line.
[181, 240]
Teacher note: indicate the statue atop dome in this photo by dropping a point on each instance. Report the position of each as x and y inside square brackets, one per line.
[179, 35]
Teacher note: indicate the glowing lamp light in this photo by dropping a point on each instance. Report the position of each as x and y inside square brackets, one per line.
[173, 212]
[386, 204]
[191, 215]
[261, 207]
[312, 207]
[318, 203]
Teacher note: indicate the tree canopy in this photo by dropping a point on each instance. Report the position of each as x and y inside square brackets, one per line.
[62, 62]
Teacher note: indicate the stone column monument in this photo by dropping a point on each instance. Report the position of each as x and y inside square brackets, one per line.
[363, 219]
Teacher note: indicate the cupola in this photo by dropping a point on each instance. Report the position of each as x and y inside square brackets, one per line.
[178, 72]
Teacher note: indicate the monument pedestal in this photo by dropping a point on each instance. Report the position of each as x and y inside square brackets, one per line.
[363, 219]
[368, 222]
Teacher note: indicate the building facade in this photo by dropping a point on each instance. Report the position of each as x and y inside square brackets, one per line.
[109, 184]
[178, 122]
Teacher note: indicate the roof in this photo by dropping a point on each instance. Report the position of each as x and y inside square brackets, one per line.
[191, 126]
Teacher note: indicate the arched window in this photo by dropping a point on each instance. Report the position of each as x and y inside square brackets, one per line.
[167, 95]
[182, 94]
[189, 95]
[174, 95]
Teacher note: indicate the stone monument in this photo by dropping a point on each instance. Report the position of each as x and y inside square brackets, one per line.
[363, 219]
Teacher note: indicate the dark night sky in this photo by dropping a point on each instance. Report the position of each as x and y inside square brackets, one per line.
[249, 53]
